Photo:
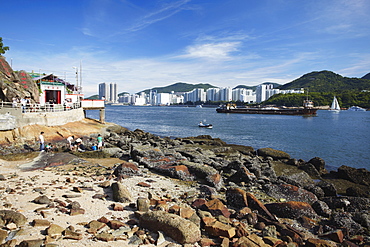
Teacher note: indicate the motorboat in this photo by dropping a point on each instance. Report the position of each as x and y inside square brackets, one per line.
[356, 108]
[204, 125]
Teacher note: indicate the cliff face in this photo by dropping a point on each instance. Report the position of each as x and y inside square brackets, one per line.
[16, 84]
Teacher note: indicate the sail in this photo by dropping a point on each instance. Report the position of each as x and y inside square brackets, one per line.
[335, 105]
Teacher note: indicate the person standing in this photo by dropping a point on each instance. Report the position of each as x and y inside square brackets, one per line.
[42, 141]
[100, 142]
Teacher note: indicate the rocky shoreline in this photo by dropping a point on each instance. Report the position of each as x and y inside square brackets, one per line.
[216, 194]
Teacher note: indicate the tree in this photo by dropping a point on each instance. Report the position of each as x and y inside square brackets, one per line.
[3, 48]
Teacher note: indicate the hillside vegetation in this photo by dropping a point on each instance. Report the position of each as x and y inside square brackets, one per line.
[322, 87]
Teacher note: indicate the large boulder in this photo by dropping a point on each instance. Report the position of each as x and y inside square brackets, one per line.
[174, 226]
[357, 176]
[9, 216]
[290, 193]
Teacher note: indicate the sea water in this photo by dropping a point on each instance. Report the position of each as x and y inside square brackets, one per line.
[339, 138]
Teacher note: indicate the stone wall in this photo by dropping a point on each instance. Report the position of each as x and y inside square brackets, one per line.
[51, 118]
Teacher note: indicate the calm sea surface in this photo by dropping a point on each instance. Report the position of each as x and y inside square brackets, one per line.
[339, 138]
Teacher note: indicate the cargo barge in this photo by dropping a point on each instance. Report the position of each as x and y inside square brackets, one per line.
[306, 110]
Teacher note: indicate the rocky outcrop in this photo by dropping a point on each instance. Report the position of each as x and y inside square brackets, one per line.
[16, 84]
[241, 197]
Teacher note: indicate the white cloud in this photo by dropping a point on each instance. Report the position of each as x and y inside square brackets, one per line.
[217, 51]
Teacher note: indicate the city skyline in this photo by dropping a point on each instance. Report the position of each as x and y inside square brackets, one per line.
[139, 44]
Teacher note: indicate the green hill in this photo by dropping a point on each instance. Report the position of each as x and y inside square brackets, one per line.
[327, 81]
[179, 87]
[367, 76]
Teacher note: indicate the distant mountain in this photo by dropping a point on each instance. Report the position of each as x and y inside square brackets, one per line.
[327, 81]
[367, 76]
[179, 87]
[254, 87]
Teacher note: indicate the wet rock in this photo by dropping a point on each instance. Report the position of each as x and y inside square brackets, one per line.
[179, 229]
[121, 193]
[290, 193]
[291, 209]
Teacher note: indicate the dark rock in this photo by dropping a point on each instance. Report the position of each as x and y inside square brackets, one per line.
[127, 169]
[357, 192]
[236, 198]
[328, 188]
[319, 164]
[310, 169]
[290, 193]
[321, 208]
[291, 209]
[42, 200]
[357, 176]
[344, 220]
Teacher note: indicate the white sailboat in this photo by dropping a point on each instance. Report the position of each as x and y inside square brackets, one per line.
[335, 105]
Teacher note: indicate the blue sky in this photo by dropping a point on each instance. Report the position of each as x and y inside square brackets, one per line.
[140, 44]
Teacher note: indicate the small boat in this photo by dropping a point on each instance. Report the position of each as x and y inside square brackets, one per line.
[356, 108]
[335, 105]
[199, 106]
[204, 125]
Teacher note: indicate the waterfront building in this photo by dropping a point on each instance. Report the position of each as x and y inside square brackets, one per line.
[226, 94]
[163, 99]
[213, 94]
[195, 95]
[108, 92]
[261, 92]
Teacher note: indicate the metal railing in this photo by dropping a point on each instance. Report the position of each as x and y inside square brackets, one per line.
[35, 108]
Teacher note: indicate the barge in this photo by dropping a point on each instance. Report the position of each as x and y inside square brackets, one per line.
[307, 110]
